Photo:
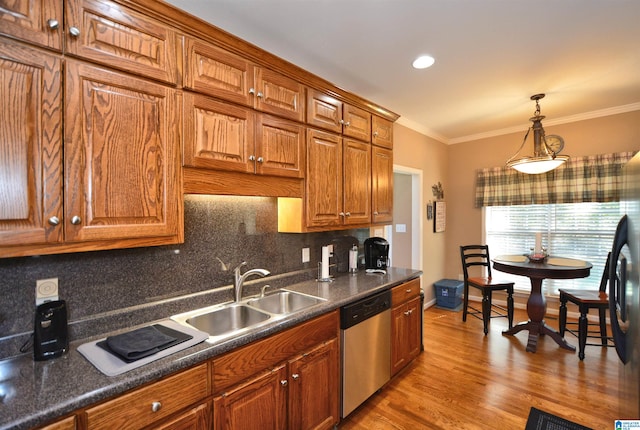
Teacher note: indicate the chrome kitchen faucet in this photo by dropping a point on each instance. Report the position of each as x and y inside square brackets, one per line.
[240, 278]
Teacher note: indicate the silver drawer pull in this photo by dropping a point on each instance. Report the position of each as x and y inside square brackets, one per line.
[156, 406]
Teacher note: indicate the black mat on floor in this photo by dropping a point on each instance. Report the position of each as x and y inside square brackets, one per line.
[541, 420]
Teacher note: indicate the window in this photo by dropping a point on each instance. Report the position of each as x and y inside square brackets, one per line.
[578, 230]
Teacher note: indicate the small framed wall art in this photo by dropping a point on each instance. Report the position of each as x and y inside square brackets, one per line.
[439, 216]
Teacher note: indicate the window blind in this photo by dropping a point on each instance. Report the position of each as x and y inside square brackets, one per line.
[577, 230]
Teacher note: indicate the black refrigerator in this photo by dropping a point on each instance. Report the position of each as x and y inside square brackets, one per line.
[624, 293]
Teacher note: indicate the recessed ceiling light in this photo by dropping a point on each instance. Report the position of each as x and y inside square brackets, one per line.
[423, 62]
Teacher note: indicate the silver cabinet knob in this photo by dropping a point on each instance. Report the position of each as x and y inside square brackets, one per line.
[54, 220]
[295, 376]
[260, 160]
[375, 134]
[260, 95]
[341, 214]
[74, 31]
[75, 220]
[53, 23]
[409, 290]
[252, 91]
[252, 158]
[375, 212]
[156, 406]
[348, 214]
[283, 382]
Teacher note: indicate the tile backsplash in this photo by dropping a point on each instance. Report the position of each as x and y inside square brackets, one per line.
[142, 284]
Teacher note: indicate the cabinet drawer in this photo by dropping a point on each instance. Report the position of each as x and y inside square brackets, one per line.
[119, 37]
[135, 409]
[406, 291]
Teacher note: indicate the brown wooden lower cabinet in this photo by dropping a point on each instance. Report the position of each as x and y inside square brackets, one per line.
[259, 403]
[406, 320]
[152, 404]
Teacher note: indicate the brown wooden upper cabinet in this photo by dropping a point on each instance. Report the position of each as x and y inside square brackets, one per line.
[211, 70]
[381, 132]
[114, 35]
[381, 185]
[35, 21]
[223, 136]
[331, 114]
[117, 183]
[339, 194]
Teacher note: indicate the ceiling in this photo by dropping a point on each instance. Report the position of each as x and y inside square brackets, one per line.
[491, 55]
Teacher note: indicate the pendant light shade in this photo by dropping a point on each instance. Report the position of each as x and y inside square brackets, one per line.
[545, 154]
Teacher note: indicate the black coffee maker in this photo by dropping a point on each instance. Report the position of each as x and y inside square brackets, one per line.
[376, 254]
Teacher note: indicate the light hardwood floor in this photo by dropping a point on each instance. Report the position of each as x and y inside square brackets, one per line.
[465, 380]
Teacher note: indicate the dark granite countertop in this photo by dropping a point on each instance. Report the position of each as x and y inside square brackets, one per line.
[34, 393]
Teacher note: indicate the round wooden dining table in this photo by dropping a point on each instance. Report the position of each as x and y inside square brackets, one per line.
[550, 268]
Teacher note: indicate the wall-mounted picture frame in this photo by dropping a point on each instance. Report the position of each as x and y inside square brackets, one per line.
[439, 216]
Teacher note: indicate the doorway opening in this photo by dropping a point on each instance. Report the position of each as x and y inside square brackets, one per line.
[405, 235]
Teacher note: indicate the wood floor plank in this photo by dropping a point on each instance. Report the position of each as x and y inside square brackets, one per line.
[465, 380]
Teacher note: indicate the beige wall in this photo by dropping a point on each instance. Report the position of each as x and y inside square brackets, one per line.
[614, 133]
[412, 149]
[455, 167]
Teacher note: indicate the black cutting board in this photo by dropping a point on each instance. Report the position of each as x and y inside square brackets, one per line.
[178, 335]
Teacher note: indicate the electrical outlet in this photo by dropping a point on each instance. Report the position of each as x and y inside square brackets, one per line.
[305, 255]
[46, 290]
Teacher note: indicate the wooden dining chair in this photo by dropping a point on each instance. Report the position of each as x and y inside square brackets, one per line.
[586, 300]
[478, 255]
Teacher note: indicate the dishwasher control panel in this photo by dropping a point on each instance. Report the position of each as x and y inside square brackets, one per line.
[361, 310]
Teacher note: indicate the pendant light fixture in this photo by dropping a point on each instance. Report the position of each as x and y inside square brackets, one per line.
[545, 148]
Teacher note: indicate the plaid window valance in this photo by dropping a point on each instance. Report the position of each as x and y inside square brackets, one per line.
[594, 178]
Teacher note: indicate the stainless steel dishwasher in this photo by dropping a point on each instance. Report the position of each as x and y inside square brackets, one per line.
[365, 330]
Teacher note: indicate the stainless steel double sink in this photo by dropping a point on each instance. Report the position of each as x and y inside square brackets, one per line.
[228, 320]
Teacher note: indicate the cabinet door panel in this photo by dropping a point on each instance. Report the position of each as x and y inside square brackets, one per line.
[324, 166]
[382, 132]
[260, 403]
[313, 388]
[279, 95]
[324, 111]
[382, 183]
[120, 156]
[214, 71]
[217, 135]
[30, 145]
[119, 37]
[280, 147]
[357, 123]
[414, 331]
[29, 20]
[357, 182]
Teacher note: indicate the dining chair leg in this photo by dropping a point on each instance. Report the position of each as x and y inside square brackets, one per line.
[510, 307]
[582, 332]
[603, 326]
[562, 324]
[486, 310]
[466, 302]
